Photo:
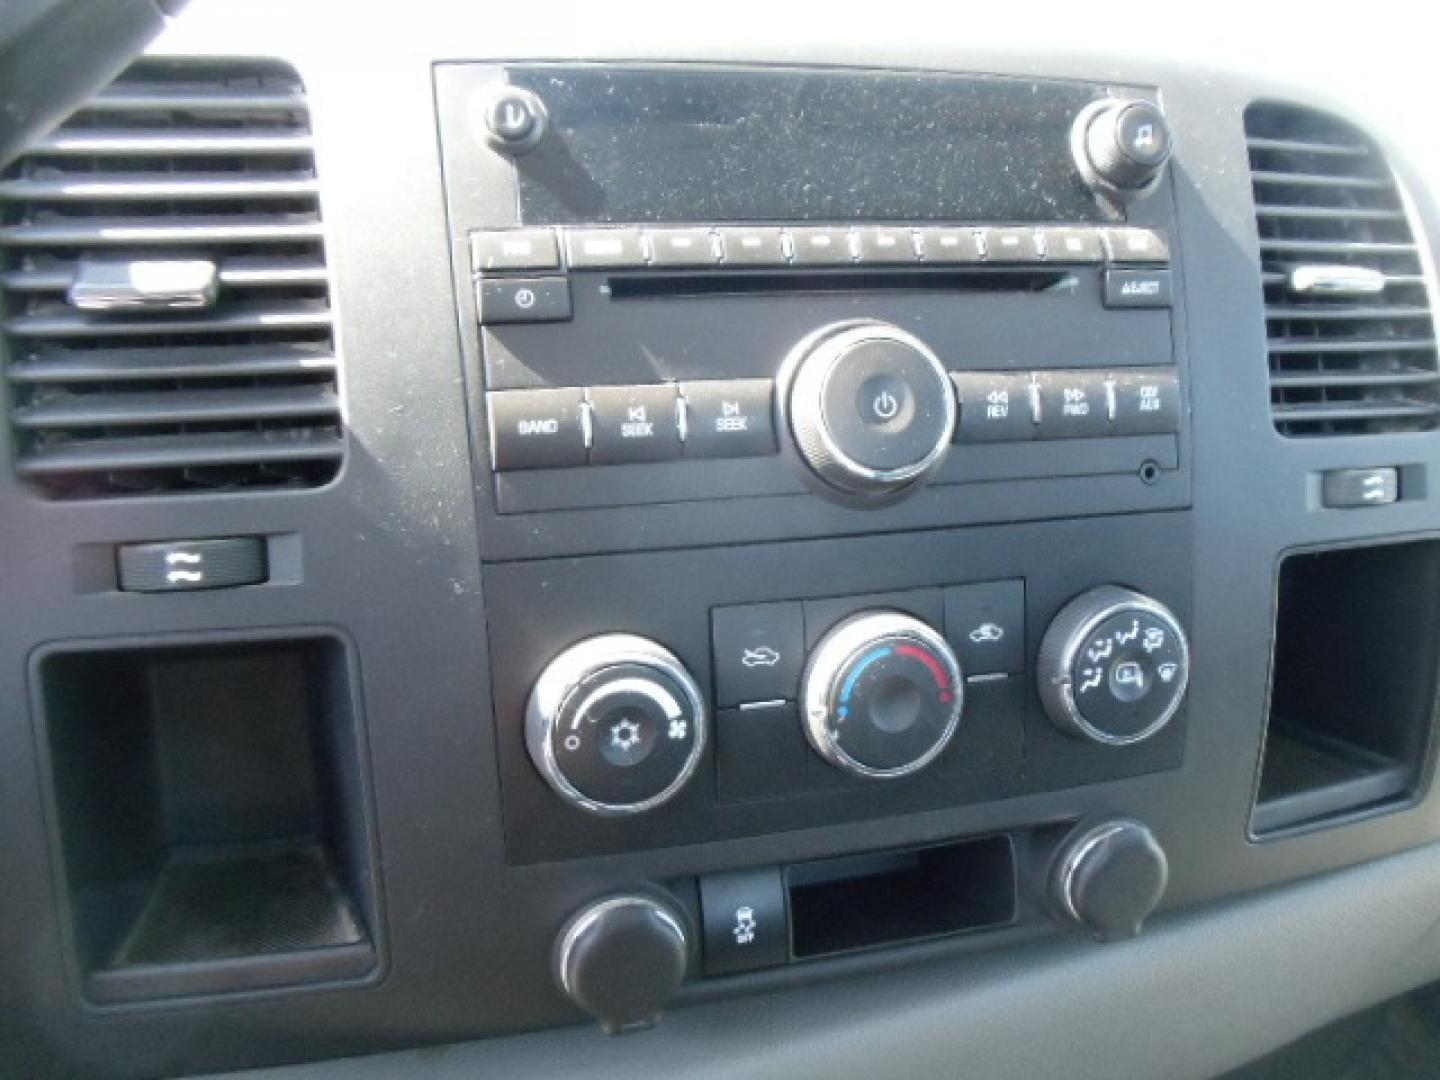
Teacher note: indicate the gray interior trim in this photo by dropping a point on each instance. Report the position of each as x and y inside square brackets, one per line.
[1200, 993]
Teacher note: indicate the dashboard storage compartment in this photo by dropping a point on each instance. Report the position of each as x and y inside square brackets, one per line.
[212, 814]
[890, 898]
[1353, 683]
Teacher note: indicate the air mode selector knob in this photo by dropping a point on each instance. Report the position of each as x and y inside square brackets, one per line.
[881, 695]
[621, 959]
[616, 725]
[870, 406]
[1113, 666]
[1125, 144]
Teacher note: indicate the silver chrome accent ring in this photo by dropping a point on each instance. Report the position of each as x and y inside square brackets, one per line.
[1057, 692]
[809, 367]
[836, 649]
[558, 683]
[588, 917]
[1076, 854]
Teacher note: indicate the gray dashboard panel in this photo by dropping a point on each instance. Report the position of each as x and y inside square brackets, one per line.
[1200, 993]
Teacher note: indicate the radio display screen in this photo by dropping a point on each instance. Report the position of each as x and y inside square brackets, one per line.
[685, 144]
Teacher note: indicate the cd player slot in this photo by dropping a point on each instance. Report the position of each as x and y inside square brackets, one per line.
[651, 286]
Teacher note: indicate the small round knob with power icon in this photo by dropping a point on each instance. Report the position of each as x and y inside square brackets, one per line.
[1125, 144]
[882, 695]
[514, 118]
[622, 959]
[616, 725]
[871, 407]
[1113, 666]
[1109, 877]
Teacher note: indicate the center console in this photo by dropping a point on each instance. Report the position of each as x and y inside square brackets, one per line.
[729, 422]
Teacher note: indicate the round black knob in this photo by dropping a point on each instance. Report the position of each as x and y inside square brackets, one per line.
[1113, 666]
[871, 407]
[1108, 878]
[616, 725]
[882, 695]
[622, 959]
[1126, 144]
[514, 118]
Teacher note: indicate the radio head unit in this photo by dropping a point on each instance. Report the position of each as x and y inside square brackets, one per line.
[687, 297]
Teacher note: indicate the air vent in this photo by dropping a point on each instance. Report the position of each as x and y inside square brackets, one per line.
[1352, 342]
[167, 307]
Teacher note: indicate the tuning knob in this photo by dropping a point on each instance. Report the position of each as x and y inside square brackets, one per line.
[871, 407]
[1113, 666]
[882, 695]
[1108, 878]
[616, 725]
[622, 959]
[1124, 144]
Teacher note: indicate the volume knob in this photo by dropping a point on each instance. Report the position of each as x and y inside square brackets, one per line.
[871, 407]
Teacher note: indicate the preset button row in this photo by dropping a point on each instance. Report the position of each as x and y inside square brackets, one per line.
[699, 246]
[611, 425]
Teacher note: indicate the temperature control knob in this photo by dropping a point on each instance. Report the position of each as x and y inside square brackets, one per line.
[616, 725]
[871, 407]
[1124, 144]
[882, 695]
[1113, 666]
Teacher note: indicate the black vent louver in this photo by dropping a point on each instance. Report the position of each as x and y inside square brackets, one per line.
[191, 187]
[1351, 338]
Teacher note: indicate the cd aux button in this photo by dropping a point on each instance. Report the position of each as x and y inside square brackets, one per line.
[730, 418]
[634, 423]
[1147, 401]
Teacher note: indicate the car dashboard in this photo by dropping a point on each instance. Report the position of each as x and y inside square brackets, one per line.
[815, 554]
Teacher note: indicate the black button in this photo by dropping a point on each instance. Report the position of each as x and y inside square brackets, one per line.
[1137, 288]
[1147, 402]
[757, 246]
[760, 753]
[1011, 246]
[514, 117]
[820, 246]
[944, 245]
[634, 423]
[994, 407]
[536, 429]
[1073, 246]
[729, 419]
[1143, 135]
[985, 624]
[1136, 245]
[885, 404]
[604, 249]
[681, 247]
[512, 300]
[1350, 489]
[191, 565]
[759, 651]
[1073, 405]
[884, 244]
[745, 924]
[514, 249]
